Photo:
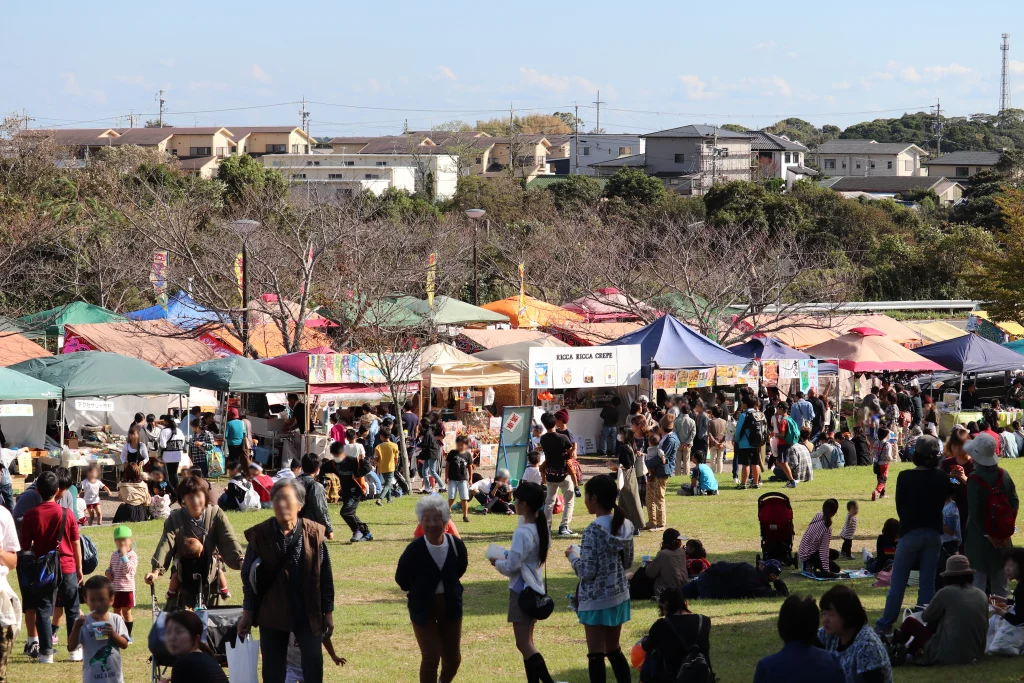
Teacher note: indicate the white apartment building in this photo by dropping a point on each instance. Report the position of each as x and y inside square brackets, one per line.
[597, 147]
[349, 174]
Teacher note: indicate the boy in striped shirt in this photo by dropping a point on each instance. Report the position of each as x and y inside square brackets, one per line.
[121, 572]
[849, 529]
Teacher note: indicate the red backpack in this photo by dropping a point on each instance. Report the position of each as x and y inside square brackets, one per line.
[1000, 517]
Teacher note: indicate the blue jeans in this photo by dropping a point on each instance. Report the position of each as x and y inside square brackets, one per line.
[919, 547]
[431, 468]
[389, 484]
[65, 590]
[609, 440]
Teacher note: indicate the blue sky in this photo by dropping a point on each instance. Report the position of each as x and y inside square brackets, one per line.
[368, 67]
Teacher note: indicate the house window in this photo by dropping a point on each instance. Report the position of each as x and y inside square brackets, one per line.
[962, 171]
[888, 165]
[908, 165]
[277, 149]
[830, 164]
[199, 151]
[381, 163]
[625, 151]
[479, 160]
[335, 176]
[295, 149]
[673, 181]
[371, 176]
[299, 176]
[977, 169]
[350, 163]
[586, 151]
[174, 152]
[788, 158]
[680, 158]
[844, 163]
[222, 152]
[312, 163]
[858, 164]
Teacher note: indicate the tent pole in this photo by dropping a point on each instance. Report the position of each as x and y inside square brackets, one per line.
[308, 404]
[63, 405]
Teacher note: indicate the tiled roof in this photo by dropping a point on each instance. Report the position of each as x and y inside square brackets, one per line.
[802, 170]
[966, 159]
[352, 140]
[145, 136]
[77, 137]
[697, 131]
[766, 142]
[891, 183]
[863, 147]
[632, 160]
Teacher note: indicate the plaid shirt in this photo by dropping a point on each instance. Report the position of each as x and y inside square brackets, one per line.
[799, 460]
[199, 445]
[816, 540]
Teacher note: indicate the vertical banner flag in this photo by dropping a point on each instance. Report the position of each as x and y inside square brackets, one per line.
[159, 277]
[522, 294]
[238, 273]
[431, 275]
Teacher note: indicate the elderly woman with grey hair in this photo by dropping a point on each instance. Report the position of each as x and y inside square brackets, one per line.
[430, 570]
[288, 586]
[494, 494]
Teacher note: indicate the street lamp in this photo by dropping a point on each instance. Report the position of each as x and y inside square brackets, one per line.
[246, 227]
[475, 215]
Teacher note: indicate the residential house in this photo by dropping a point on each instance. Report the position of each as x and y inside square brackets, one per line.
[771, 156]
[530, 154]
[348, 174]
[259, 140]
[961, 165]
[594, 148]
[689, 159]
[889, 187]
[870, 158]
[478, 144]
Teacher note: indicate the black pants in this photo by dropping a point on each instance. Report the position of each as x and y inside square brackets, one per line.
[348, 515]
[847, 546]
[172, 475]
[274, 648]
[813, 563]
[640, 586]
[65, 590]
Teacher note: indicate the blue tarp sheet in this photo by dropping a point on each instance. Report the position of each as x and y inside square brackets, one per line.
[181, 312]
[767, 348]
[971, 353]
[671, 344]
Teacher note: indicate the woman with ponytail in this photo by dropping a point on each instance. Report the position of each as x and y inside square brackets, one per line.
[600, 562]
[172, 443]
[523, 565]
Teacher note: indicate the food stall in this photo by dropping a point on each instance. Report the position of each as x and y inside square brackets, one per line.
[23, 402]
[583, 380]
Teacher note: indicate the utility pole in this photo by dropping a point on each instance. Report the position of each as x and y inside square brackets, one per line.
[305, 118]
[598, 102]
[131, 118]
[714, 158]
[937, 126]
[576, 133]
[162, 101]
[24, 119]
[1004, 87]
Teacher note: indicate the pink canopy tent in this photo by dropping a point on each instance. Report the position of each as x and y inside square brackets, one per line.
[606, 305]
[865, 349]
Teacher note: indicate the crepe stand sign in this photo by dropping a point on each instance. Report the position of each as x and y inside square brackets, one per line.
[750, 374]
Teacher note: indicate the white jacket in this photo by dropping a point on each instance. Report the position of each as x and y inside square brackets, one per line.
[523, 559]
[10, 607]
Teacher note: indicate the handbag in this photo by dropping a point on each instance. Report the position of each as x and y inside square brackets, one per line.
[537, 605]
[41, 572]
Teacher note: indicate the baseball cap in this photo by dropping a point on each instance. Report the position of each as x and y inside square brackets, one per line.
[983, 449]
[773, 567]
[122, 531]
[671, 536]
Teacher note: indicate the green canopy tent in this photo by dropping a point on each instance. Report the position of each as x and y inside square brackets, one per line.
[387, 312]
[239, 375]
[51, 323]
[8, 325]
[449, 311]
[15, 386]
[25, 416]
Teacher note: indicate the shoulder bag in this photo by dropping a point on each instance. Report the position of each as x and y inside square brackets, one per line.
[537, 605]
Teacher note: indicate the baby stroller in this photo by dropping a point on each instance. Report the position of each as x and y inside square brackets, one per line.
[775, 515]
[221, 627]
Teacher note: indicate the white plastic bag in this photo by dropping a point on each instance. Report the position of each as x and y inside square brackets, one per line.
[1004, 639]
[243, 660]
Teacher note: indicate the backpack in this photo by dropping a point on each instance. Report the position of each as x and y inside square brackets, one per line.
[1000, 517]
[332, 487]
[90, 556]
[757, 428]
[790, 431]
[694, 667]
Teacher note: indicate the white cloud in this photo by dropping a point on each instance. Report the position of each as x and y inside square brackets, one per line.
[554, 82]
[1016, 67]
[910, 74]
[72, 87]
[840, 85]
[954, 69]
[447, 73]
[207, 85]
[696, 89]
[767, 45]
[782, 86]
[830, 99]
[259, 74]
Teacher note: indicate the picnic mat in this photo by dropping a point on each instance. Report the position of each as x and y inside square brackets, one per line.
[846, 575]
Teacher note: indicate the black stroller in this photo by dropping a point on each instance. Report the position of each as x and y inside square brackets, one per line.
[221, 628]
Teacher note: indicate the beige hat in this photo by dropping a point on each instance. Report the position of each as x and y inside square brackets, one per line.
[958, 565]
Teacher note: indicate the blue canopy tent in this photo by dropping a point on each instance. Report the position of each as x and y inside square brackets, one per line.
[668, 343]
[767, 348]
[971, 353]
[181, 312]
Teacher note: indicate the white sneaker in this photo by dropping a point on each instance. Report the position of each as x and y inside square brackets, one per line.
[735, 480]
[77, 655]
[44, 659]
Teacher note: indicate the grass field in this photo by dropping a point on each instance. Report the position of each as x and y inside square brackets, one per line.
[372, 626]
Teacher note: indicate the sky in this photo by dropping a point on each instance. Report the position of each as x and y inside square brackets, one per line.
[368, 68]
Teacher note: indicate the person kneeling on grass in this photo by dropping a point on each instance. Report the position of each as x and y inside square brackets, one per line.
[702, 478]
[815, 554]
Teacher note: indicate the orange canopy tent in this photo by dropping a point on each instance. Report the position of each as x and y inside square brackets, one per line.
[536, 313]
[15, 348]
[265, 341]
[158, 342]
[865, 349]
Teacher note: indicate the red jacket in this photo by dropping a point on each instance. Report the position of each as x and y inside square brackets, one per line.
[262, 485]
[39, 532]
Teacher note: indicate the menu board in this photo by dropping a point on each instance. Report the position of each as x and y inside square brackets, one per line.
[770, 373]
[361, 368]
[587, 367]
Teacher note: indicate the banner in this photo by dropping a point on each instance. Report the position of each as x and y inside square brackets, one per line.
[728, 375]
[788, 370]
[588, 367]
[808, 374]
[431, 276]
[16, 410]
[238, 274]
[361, 368]
[770, 372]
[95, 405]
[158, 277]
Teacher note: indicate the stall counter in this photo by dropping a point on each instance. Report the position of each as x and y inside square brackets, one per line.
[947, 420]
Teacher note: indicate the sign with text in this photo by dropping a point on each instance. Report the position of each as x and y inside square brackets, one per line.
[363, 368]
[586, 367]
[95, 405]
[16, 410]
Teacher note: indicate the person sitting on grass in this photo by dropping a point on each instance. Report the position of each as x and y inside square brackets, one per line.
[671, 638]
[845, 631]
[798, 460]
[1013, 569]
[953, 627]
[738, 580]
[799, 660]
[885, 548]
[815, 554]
[696, 558]
[666, 570]
[702, 478]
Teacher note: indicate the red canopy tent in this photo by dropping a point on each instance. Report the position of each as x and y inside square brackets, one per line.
[606, 305]
[865, 349]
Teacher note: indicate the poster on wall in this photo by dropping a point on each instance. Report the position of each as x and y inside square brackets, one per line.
[750, 374]
[659, 379]
[728, 375]
[808, 374]
[354, 368]
[770, 373]
[588, 367]
[788, 370]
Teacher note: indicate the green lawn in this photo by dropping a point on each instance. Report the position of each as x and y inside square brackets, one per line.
[373, 630]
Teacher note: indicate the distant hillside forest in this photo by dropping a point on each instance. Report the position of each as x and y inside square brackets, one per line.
[976, 132]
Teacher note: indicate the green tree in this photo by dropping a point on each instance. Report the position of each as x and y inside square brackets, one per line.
[242, 173]
[575, 191]
[749, 203]
[634, 187]
[398, 205]
[735, 127]
[999, 280]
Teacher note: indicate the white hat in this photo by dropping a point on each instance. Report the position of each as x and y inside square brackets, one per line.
[643, 399]
[983, 449]
[256, 466]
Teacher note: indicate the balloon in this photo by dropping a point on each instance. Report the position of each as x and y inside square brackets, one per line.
[637, 655]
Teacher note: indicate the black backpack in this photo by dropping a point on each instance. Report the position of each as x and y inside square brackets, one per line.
[757, 428]
[694, 667]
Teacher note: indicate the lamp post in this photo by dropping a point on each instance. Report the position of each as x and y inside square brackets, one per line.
[475, 215]
[246, 227]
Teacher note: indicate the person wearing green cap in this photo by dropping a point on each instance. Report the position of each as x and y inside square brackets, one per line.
[121, 572]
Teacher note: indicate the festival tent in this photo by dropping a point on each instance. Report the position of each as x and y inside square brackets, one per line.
[449, 311]
[607, 305]
[1017, 346]
[265, 341]
[297, 364]
[26, 426]
[50, 323]
[932, 331]
[17, 386]
[15, 348]
[972, 353]
[444, 365]
[473, 341]
[518, 352]
[269, 308]
[795, 331]
[767, 348]
[97, 373]
[668, 343]
[890, 327]
[865, 349]
[535, 313]
[239, 374]
[157, 342]
[994, 330]
[592, 334]
[181, 311]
